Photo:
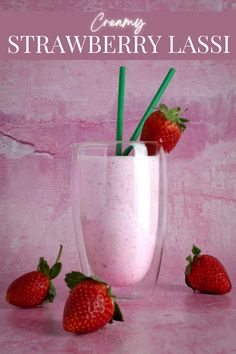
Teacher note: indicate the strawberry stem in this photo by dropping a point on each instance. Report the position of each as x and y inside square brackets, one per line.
[59, 254]
[56, 268]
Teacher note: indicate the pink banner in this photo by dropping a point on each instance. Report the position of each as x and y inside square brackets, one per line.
[113, 35]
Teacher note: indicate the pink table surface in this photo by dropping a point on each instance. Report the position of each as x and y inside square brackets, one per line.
[175, 321]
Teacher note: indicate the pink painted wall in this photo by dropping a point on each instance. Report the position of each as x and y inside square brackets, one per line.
[45, 106]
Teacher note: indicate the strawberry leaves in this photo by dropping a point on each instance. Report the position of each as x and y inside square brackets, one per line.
[51, 294]
[196, 251]
[55, 270]
[74, 278]
[117, 316]
[43, 266]
[173, 115]
[51, 273]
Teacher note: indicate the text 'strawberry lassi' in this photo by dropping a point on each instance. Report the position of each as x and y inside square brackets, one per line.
[119, 215]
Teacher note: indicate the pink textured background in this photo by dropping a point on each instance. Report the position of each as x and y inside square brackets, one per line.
[45, 106]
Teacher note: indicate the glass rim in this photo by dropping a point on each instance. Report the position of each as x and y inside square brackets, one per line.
[98, 143]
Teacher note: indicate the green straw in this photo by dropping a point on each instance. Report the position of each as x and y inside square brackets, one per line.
[150, 108]
[120, 110]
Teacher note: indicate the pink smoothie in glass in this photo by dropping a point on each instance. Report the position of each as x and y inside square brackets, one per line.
[119, 215]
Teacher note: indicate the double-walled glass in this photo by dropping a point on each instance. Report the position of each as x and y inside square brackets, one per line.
[119, 211]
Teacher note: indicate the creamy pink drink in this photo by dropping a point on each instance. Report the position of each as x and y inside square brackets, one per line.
[119, 205]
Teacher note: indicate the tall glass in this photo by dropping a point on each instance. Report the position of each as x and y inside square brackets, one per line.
[119, 211]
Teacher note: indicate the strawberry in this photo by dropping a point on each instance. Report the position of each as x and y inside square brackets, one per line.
[90, 304]
[163, 126]
[206, 274]
[34, 288]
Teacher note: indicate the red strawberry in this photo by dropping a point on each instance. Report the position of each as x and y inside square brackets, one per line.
[90, 304]
[34, 288]
[163, 126]
[206, 274]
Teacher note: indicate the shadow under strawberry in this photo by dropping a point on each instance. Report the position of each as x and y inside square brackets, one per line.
[38, 322]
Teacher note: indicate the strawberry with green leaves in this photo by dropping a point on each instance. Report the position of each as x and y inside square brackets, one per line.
[206, 274]
[165, 127]
[90, 305]
[34, 288]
